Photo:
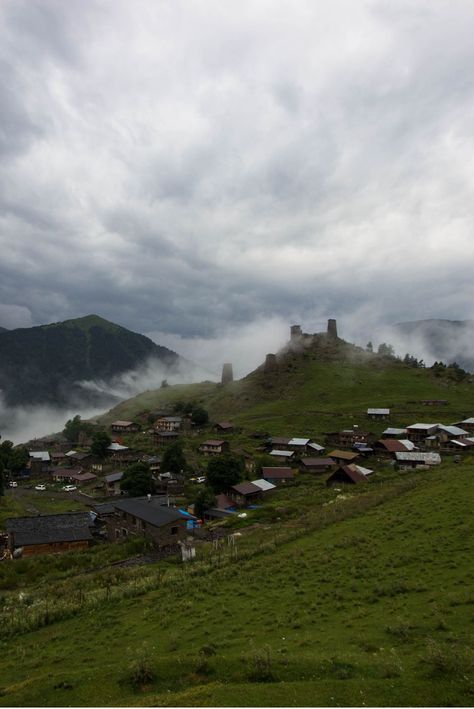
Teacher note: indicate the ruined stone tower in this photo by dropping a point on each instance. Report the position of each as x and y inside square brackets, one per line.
[332, 328]
[227, 373]
[295, 333]
[270, 363]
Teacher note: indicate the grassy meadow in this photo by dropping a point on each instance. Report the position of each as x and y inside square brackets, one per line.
[364, 598]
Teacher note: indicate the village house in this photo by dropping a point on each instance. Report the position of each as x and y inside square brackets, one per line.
[124, 427]
[446, 433]
[390, 446]
[164, 438]
[168, 423]
[467, 424]
[277, 476]
[245, 493]
[224, 427]
[39, 462]
[299, 445]
[317, 465]
[345, 475]
[112, 483]
[343, 457]
[350, 436]
[378, 414]
[282, 456]
[50, 534]
[458, 445]
[394, 432]
[418, 432]
[214, 447]
[147, 517]
[72, 475]
[417, 459]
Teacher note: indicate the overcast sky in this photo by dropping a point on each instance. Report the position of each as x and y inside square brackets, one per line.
[198, 169]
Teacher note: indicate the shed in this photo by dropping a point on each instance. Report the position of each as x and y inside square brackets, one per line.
[345, 475]
[50, 534]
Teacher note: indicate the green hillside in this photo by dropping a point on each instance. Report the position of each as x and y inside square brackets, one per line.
[41, 365]
[327, 385]
[363, 599]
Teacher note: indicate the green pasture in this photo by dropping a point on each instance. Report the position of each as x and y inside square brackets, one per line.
[363, 598]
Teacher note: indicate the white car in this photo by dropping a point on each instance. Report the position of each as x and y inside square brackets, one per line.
[201, 479]
[40, 487]
[69, 488]
[13, 483]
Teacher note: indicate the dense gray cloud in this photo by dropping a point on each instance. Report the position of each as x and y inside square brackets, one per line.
[193, 169]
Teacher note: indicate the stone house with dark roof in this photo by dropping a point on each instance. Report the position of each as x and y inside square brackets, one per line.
[147, 517]
[50, 534]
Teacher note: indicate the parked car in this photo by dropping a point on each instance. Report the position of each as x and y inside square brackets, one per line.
[40, 487]
[69, 488]
[13, 483]
[201, 479]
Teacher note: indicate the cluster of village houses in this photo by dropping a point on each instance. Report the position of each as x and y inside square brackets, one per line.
[343, 459]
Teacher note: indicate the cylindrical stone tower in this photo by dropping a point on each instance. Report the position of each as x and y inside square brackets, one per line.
[295, 332]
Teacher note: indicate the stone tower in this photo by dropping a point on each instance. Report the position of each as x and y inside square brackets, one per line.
[227, 373]
[270, 363]
[295, 332]
[332, 328]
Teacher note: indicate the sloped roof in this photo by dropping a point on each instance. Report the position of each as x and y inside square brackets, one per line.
[277, 473]
[212, 442]
[392, 445]
[263, 484]
[113, 477]
[40, 455]
[150, 511]
[246, 488]
[298, 442]
[379, 412]
[453, 430]
[347, 470]
[282, 454]
[430, 458]
[345, 455]
[390, 431]
[310, 462]
[50, 529]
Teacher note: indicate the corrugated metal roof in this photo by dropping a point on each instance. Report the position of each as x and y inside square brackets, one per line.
[453, 430]
[298, 442]
[246, 488]
[113, 477]
[282, 454]
[380, 412]
[116, 447]
[40, 455]
[315, 446]
[422, 426]
[263, 484]
[394, 431]
[430, 458]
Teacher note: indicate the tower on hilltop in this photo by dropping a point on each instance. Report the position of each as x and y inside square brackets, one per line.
[332, 328]
[227, 373]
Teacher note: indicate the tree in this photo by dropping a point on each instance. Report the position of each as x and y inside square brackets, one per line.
[369, 347]
[199, 416]
[386, 350]
[13, 459]
[72, 429]
[137, 480]
[174, 460]
[100, 442]
[224, 471]
[2, 480]
[204, 500]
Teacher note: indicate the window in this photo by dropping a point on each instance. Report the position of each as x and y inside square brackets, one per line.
[174, 530]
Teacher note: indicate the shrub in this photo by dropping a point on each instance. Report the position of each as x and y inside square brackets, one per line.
[259, 667]
[140, 672]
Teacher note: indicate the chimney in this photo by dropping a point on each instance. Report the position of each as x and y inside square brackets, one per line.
[332, 328]
[227, 373]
